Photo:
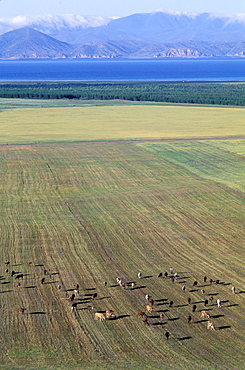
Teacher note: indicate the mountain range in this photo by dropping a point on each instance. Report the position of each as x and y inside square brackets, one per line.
[148, 35]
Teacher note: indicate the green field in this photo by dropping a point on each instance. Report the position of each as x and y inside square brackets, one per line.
[128, 122]
[89, 212]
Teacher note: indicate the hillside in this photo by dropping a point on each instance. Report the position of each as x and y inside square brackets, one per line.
[29, 43]
[139, 35]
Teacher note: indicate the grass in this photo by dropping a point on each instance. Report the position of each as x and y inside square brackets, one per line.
[89, 212]
[128, 122]
[220, 161]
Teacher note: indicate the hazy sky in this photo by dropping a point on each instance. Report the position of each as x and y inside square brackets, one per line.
[12, 8]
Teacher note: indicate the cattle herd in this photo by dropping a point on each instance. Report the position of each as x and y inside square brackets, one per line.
[200, 311]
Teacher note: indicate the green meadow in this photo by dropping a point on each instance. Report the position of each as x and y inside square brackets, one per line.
[92, 193]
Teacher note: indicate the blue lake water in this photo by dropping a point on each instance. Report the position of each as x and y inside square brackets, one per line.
[165, 69]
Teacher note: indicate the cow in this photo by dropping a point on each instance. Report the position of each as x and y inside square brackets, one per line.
[189, 319]
[151, 301]
[233, 289]
[132, 285]
[29, 263]
[21, 309]
[19, 276]
[205, 314]
[139, 275]
[194, 307]
[77, 286]
[219, 303]
[160, 274]
[110, 314]
[90, 308]
[202, 291]
[145, 321]
[76, 292]
[161, 316]
[147, 297]
[171, 303]
[74, 305]
[189, 300]
[210, 325]
[211, 299]
[217, 281]
[13, 273]
[59, 287]
[119, 280]
[195, 283]
[149, 308]
[171, 270]
[141, 314]
[165, 274]
[183, 288]
[105, 283]
[99, 315]
[167, 335]
[205, 279]
[94, 295]
[206, 302]
[71, 298]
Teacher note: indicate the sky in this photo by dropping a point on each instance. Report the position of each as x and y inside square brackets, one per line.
[118, 8]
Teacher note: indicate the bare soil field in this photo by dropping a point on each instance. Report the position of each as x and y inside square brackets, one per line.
[87, 214]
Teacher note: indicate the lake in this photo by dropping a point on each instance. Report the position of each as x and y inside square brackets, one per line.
[164, 69]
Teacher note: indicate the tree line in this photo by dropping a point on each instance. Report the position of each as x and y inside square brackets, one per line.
[217, 93]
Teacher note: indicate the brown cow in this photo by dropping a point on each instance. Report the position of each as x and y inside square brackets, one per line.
[149, 308]
[151, 301]
[211, 325]
[145, 321]
[141, 313]
[99, 315]
[21, 309]
[71, 298]
[205, 314]
[110, 314]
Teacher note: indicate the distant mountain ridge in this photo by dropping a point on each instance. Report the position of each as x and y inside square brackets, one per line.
[139, 35]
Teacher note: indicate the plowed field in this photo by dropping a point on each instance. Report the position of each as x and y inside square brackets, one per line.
[91, 212]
